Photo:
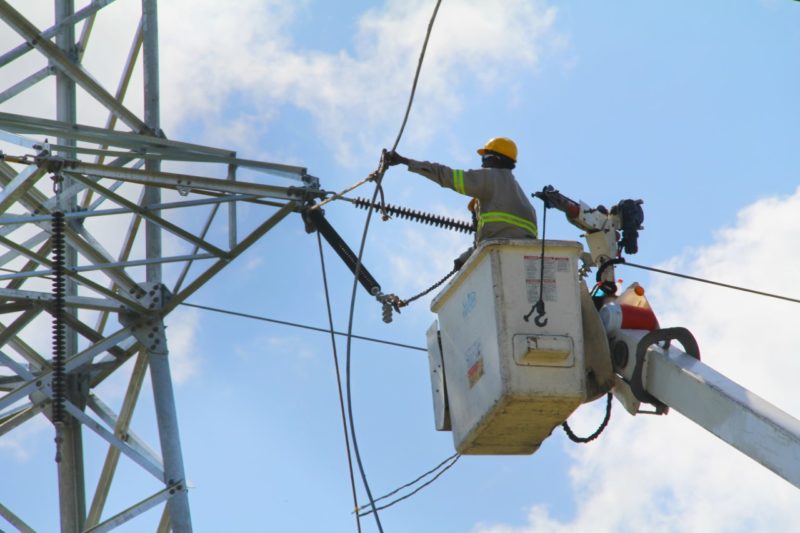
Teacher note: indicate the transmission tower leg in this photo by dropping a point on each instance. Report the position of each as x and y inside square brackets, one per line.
[163, 394]
[71, 488]
[169, 435]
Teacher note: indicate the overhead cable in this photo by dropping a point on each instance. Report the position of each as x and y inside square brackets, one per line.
[454, 460]
[338, 381]
[379, 177]
[710, 282]
[303, 326]
[410, 483]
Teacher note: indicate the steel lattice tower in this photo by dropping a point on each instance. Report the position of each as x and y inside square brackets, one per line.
[118, 287]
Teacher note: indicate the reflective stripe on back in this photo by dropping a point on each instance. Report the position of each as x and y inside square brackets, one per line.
[508, 218]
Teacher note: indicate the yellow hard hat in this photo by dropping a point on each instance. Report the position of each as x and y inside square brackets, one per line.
[501, 145]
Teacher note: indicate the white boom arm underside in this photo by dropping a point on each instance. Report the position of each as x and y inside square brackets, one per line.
[739, 417]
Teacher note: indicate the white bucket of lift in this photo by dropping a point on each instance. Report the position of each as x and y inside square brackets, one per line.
[509, 382]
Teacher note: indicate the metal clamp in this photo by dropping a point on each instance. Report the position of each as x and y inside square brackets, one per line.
[683, 336]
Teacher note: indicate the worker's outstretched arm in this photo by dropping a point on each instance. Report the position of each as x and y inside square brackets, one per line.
[468, 182]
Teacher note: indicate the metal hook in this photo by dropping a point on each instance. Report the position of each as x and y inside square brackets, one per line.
[540, 319]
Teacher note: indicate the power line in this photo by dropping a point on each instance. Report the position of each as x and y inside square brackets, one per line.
[422, 476]
[378, 189]
[303, 326]
[338, 380]
[711, 282]
[455, 458]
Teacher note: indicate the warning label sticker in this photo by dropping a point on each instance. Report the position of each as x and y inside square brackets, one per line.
[474, 359]
[536, 276]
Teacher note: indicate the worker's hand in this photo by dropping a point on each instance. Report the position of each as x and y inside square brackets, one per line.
[393, 158]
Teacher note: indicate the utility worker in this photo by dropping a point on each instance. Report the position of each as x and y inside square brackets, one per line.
[502, 211]
[502, 207]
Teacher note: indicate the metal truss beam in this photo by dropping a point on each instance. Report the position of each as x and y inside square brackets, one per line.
[111, 198]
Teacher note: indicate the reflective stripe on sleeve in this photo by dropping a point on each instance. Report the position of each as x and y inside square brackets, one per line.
[508, 218]
[458, 181]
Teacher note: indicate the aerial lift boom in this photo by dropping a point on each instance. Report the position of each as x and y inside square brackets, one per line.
[651, 370]
[501, 384]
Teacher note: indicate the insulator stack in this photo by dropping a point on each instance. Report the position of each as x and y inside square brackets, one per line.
[419, 216]
[59, 347]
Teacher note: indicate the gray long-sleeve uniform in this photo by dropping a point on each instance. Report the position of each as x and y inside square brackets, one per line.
[504, 211]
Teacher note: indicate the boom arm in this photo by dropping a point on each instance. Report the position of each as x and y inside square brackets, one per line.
[607, 232]
[672, 378]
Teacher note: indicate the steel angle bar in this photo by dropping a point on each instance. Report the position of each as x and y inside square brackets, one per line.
[17, 187]
[248, 241]
[134, 511]
[74, 71]
[81, 358]
[34, 201]
[165, 524]
[125, 78]
[26, 46]
[15, 367]
[143, 146]
[15, 411]
[151, 464]
[29, 354]
[20, 416]
[144, 262]
[71, 364]
[188, 265]
[19, 140]
[119, 162]
[25, 84]
[15, 327]
[107, 366]
[95, 253]
[15, 521]
[29, 244]
[182, 181]
[125, 250]
[147, 214]
[80, 302]
[121, 427]
[105, 137]
[20, 392]
[41, 260]
[91, 335]
[107, 415]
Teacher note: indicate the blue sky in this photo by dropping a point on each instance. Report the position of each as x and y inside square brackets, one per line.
[690, 106]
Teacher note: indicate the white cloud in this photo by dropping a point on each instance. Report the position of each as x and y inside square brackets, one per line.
[184, 357]
[211, 56]
[665, 473]
[19, 442]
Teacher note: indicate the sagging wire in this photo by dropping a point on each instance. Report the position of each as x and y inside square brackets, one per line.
[339, 382]
[58, 327]
[302, 326]
[378, 189]
[711, 282]
[451, 460]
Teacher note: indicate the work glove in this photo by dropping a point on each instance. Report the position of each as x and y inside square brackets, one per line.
[393, 158]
